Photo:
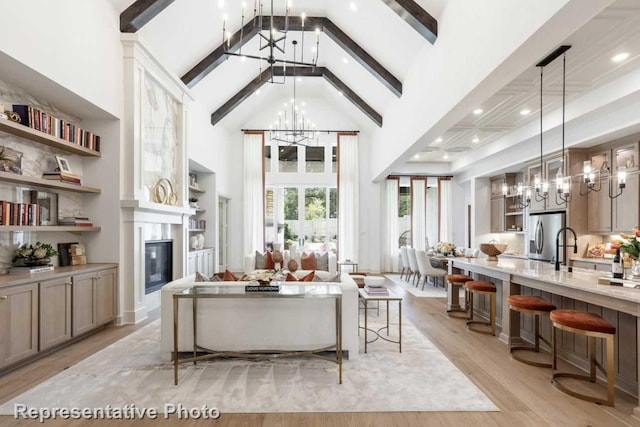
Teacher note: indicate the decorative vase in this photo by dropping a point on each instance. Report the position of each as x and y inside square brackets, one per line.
[635, 269]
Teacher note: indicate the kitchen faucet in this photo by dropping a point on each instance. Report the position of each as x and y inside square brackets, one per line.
[564, 244]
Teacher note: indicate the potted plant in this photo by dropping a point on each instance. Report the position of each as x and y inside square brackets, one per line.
[193, 202]
[31, 255]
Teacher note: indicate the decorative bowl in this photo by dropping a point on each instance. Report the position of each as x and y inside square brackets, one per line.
[492, 250]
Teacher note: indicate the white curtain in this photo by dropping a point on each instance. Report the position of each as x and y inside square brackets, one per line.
[432, 215]
[253, 224]
[418, 212]
[446, 215]
[390, 254]
[348, 199]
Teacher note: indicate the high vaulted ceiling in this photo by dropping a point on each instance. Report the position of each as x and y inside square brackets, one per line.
[185, 32]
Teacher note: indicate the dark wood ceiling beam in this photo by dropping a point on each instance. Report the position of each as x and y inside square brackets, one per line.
[362, 57]
[264, 77]
[353, 97]
[419, 19]
[140, 13]
[217, 57]
[311, 23]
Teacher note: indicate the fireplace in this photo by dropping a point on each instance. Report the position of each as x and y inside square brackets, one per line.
[158, 264]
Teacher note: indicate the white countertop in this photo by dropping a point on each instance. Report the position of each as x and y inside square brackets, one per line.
[593, 260]
[580, 279]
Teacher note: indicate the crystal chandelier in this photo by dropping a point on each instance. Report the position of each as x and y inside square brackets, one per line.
[272, 39]
[291, 127]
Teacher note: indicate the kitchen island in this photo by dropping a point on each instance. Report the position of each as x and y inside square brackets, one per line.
[577, 290]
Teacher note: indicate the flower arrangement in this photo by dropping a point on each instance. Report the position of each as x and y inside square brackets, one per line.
[37, 254]
[630, 243]
[445, 248]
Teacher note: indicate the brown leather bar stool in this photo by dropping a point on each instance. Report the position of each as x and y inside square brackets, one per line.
[481, 288]
[538, 307]
[456, 281]
[592, 326]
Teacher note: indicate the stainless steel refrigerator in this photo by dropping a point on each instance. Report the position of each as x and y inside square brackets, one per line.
[542, 231]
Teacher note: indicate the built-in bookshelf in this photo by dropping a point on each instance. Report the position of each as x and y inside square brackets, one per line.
[28, 181]
[45, 139]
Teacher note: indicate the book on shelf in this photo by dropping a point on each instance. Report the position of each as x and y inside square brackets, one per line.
[12, 213]
[75, 221]
[39, 120]
[31, 269]
[63, 177]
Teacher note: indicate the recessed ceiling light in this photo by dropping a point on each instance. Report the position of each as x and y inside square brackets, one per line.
[258, 92]
[478, 111]
[525, 112]
[446, 155]
[340, 93]
[299, 79]
[438, 140]
[353, 6]
[475, 140]
[620, 57]
[345, 60]
[416, 156]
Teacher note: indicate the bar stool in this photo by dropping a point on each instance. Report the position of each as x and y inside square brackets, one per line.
[456, 281]
[592, 326]
[481, 288]
[538, 307]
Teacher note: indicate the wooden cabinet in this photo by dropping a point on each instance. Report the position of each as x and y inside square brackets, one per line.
[55, 312]
[18, 323]
[599, 215]
[201, 261]
[497, 215]
[94, 300]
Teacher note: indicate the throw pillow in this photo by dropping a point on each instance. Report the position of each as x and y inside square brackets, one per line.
[201, 277]
[268, 261]
[308, 278]
[335, 278]
[322, 261]
[308, 261]
[260, 261]
[229, 277]
[292, 265]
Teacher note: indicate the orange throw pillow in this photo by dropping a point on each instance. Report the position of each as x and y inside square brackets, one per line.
[229, 277]
[268, 261]
[308, 278]
[308, 261]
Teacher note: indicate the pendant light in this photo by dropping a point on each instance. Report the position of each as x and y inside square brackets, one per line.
[540, 184]
[563, 183]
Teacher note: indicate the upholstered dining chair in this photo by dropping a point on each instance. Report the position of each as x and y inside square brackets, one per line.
[413, 265]
[404, 259]
[427, 270]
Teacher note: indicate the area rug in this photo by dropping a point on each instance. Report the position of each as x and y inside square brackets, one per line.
[130, 372]
[429, 291]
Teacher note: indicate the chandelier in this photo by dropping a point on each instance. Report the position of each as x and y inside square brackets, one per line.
[291, 127]
[272, 40]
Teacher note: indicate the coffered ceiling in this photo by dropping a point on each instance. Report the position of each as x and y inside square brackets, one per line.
[183, 33]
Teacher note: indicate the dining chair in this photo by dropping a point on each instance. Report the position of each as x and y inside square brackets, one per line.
[427, 270]
[413, 264]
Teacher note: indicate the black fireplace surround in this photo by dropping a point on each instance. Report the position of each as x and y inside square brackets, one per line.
[158, 264]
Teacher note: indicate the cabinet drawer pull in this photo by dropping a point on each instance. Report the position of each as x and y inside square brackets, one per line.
[68, 283]
[4, 297]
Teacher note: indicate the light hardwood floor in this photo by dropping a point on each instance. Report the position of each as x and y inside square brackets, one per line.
[523, 393]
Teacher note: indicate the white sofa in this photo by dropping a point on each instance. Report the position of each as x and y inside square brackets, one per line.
[259, 324]
[250, 264]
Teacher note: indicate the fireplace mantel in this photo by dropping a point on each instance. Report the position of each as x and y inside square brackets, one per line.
[145, 211]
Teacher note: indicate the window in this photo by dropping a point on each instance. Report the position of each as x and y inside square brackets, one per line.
[404, 215]
[314, 159]
[288, 158]
[334, 159]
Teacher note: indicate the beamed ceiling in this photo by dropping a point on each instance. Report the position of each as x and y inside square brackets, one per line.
[365, 55]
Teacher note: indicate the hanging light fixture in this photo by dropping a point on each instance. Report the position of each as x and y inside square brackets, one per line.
[274, 39]
[592, 181]
[292, 127]
[563, 183]
[540, 184]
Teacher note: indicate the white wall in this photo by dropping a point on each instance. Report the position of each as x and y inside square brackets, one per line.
[465, 67]
[75, 43]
